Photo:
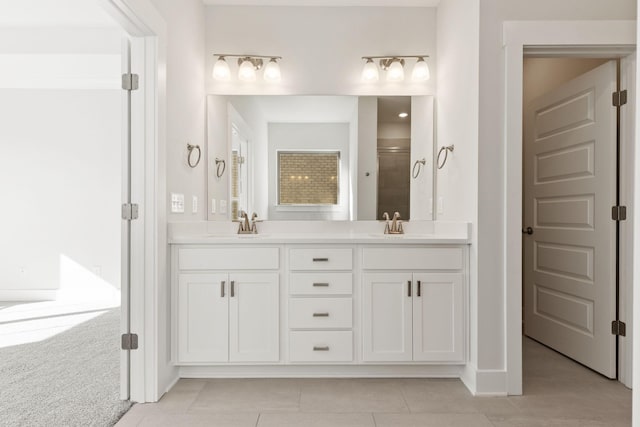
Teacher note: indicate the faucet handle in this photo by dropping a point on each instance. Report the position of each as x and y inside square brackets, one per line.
[385, 216]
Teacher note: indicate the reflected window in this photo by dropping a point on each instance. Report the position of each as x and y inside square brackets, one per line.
[308, 178]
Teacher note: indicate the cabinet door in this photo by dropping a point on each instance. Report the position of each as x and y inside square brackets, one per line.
[386, 323]
[203, 314]
[438, 329]
[254, 317]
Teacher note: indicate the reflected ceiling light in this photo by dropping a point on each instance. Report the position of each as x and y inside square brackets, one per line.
[248, 66]
[403, 115]
[394, 68]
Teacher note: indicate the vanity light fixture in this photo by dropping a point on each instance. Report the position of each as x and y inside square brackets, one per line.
[394, 67]
[248, 66]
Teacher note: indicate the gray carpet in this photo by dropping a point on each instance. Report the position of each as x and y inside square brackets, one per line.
[71, 379]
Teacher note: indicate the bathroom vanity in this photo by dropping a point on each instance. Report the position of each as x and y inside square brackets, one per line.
[319, 299]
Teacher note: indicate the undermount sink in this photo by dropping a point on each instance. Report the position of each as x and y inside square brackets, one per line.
[234, 236]
[387, 236]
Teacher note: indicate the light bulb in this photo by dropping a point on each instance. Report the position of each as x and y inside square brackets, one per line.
[221, 70]
[370, 71]
[247, 71]
[272, 71]
[395, 72]
[420, 71]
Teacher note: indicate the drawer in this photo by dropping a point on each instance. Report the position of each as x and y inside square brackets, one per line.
[320, 346]
[320, 313]
[321, 283]
[412, 258]
[228, 258]
[321, 259]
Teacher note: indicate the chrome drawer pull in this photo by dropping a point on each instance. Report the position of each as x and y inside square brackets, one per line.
[320, 259]
[321, 285]
[317, 348]
[233, 288]
[222, 289]
[320, 314]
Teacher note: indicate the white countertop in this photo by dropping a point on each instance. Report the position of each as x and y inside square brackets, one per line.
[320, 232]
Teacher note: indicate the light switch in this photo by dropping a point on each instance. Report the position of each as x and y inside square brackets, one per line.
[213, 206]
[223, 206]
[177, 203]
[194, 204]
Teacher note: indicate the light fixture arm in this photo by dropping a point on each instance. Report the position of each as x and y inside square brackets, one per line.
[230, 55]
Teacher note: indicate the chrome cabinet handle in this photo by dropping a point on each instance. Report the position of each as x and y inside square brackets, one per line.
[320, 314]
[409, 288]
[321, 285]
[222, 283]
[319, 348]
[233, 288]
[419, 288]
[320, 259]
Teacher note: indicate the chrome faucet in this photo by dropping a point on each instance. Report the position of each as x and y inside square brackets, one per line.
[396, 225]
[246, 227]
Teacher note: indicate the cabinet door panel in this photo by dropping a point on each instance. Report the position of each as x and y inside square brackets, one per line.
[386, 325]
[438, 330]
[203, 315]
[254, 317]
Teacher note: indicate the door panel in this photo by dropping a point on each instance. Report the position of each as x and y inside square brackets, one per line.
[387, 317]
[203, 314]
[254, 317]
[569, 186]
[438, 331]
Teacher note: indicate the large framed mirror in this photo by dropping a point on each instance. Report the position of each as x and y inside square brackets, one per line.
[320, 157]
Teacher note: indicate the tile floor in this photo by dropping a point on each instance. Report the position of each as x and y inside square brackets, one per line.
[558, 392]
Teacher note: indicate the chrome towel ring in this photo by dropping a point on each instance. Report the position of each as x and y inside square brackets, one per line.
[221, 165]
[419, 163]
[191, 149]
[446, 151]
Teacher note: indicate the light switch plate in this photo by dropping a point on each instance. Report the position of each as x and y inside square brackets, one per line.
[223, 207]
[194, 204]
[177, 203]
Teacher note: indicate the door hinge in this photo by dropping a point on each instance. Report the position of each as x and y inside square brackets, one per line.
[619, 328]
[130, 81]
[129, 341]
[619, 213]
[619, 98]
[129, 211]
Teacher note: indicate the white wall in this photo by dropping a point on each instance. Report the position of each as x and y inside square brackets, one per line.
[304, 137]
[488, 316]
[321, 46]
[185, 102]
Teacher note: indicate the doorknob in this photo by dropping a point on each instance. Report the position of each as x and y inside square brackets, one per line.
[527, 230]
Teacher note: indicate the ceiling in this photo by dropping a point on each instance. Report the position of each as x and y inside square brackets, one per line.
[344, 3]
[390, 106]
[58, 13]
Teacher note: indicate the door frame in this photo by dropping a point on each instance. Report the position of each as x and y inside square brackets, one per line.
[604, 38]
[150, 374]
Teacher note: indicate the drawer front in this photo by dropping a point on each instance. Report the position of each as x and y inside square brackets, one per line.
[321, 283]
[320, 313]
[412, 258]
[321, 259]
[321, 346]
[228, 258]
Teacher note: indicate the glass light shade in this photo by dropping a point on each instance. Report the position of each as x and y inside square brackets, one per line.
[420, 71]
[395, 72]
[221, 70]
[247, 72]
[370, 71]
[272, 71]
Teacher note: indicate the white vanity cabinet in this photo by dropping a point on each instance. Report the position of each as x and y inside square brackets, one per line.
[413, 304]
[225, 314]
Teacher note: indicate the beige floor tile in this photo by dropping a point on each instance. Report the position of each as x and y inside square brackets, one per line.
[248, 395]
[352, 395]
[538, 421]
[200, 420]
[190, 384]
[132, 418]
[432, 420]
[437, 395]
[299, 419]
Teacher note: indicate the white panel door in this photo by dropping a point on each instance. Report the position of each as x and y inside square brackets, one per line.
[570, 187]
[438, 328]
[254, 317]
[387, 318]
[203, 314]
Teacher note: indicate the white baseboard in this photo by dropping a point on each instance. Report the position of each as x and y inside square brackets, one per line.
[484, 382]
[28, 294]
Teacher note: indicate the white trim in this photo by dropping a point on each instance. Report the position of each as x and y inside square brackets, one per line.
[28, 294]
[484, 382]
[517, 35]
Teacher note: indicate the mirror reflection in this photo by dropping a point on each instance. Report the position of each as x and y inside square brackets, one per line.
[320, 157]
